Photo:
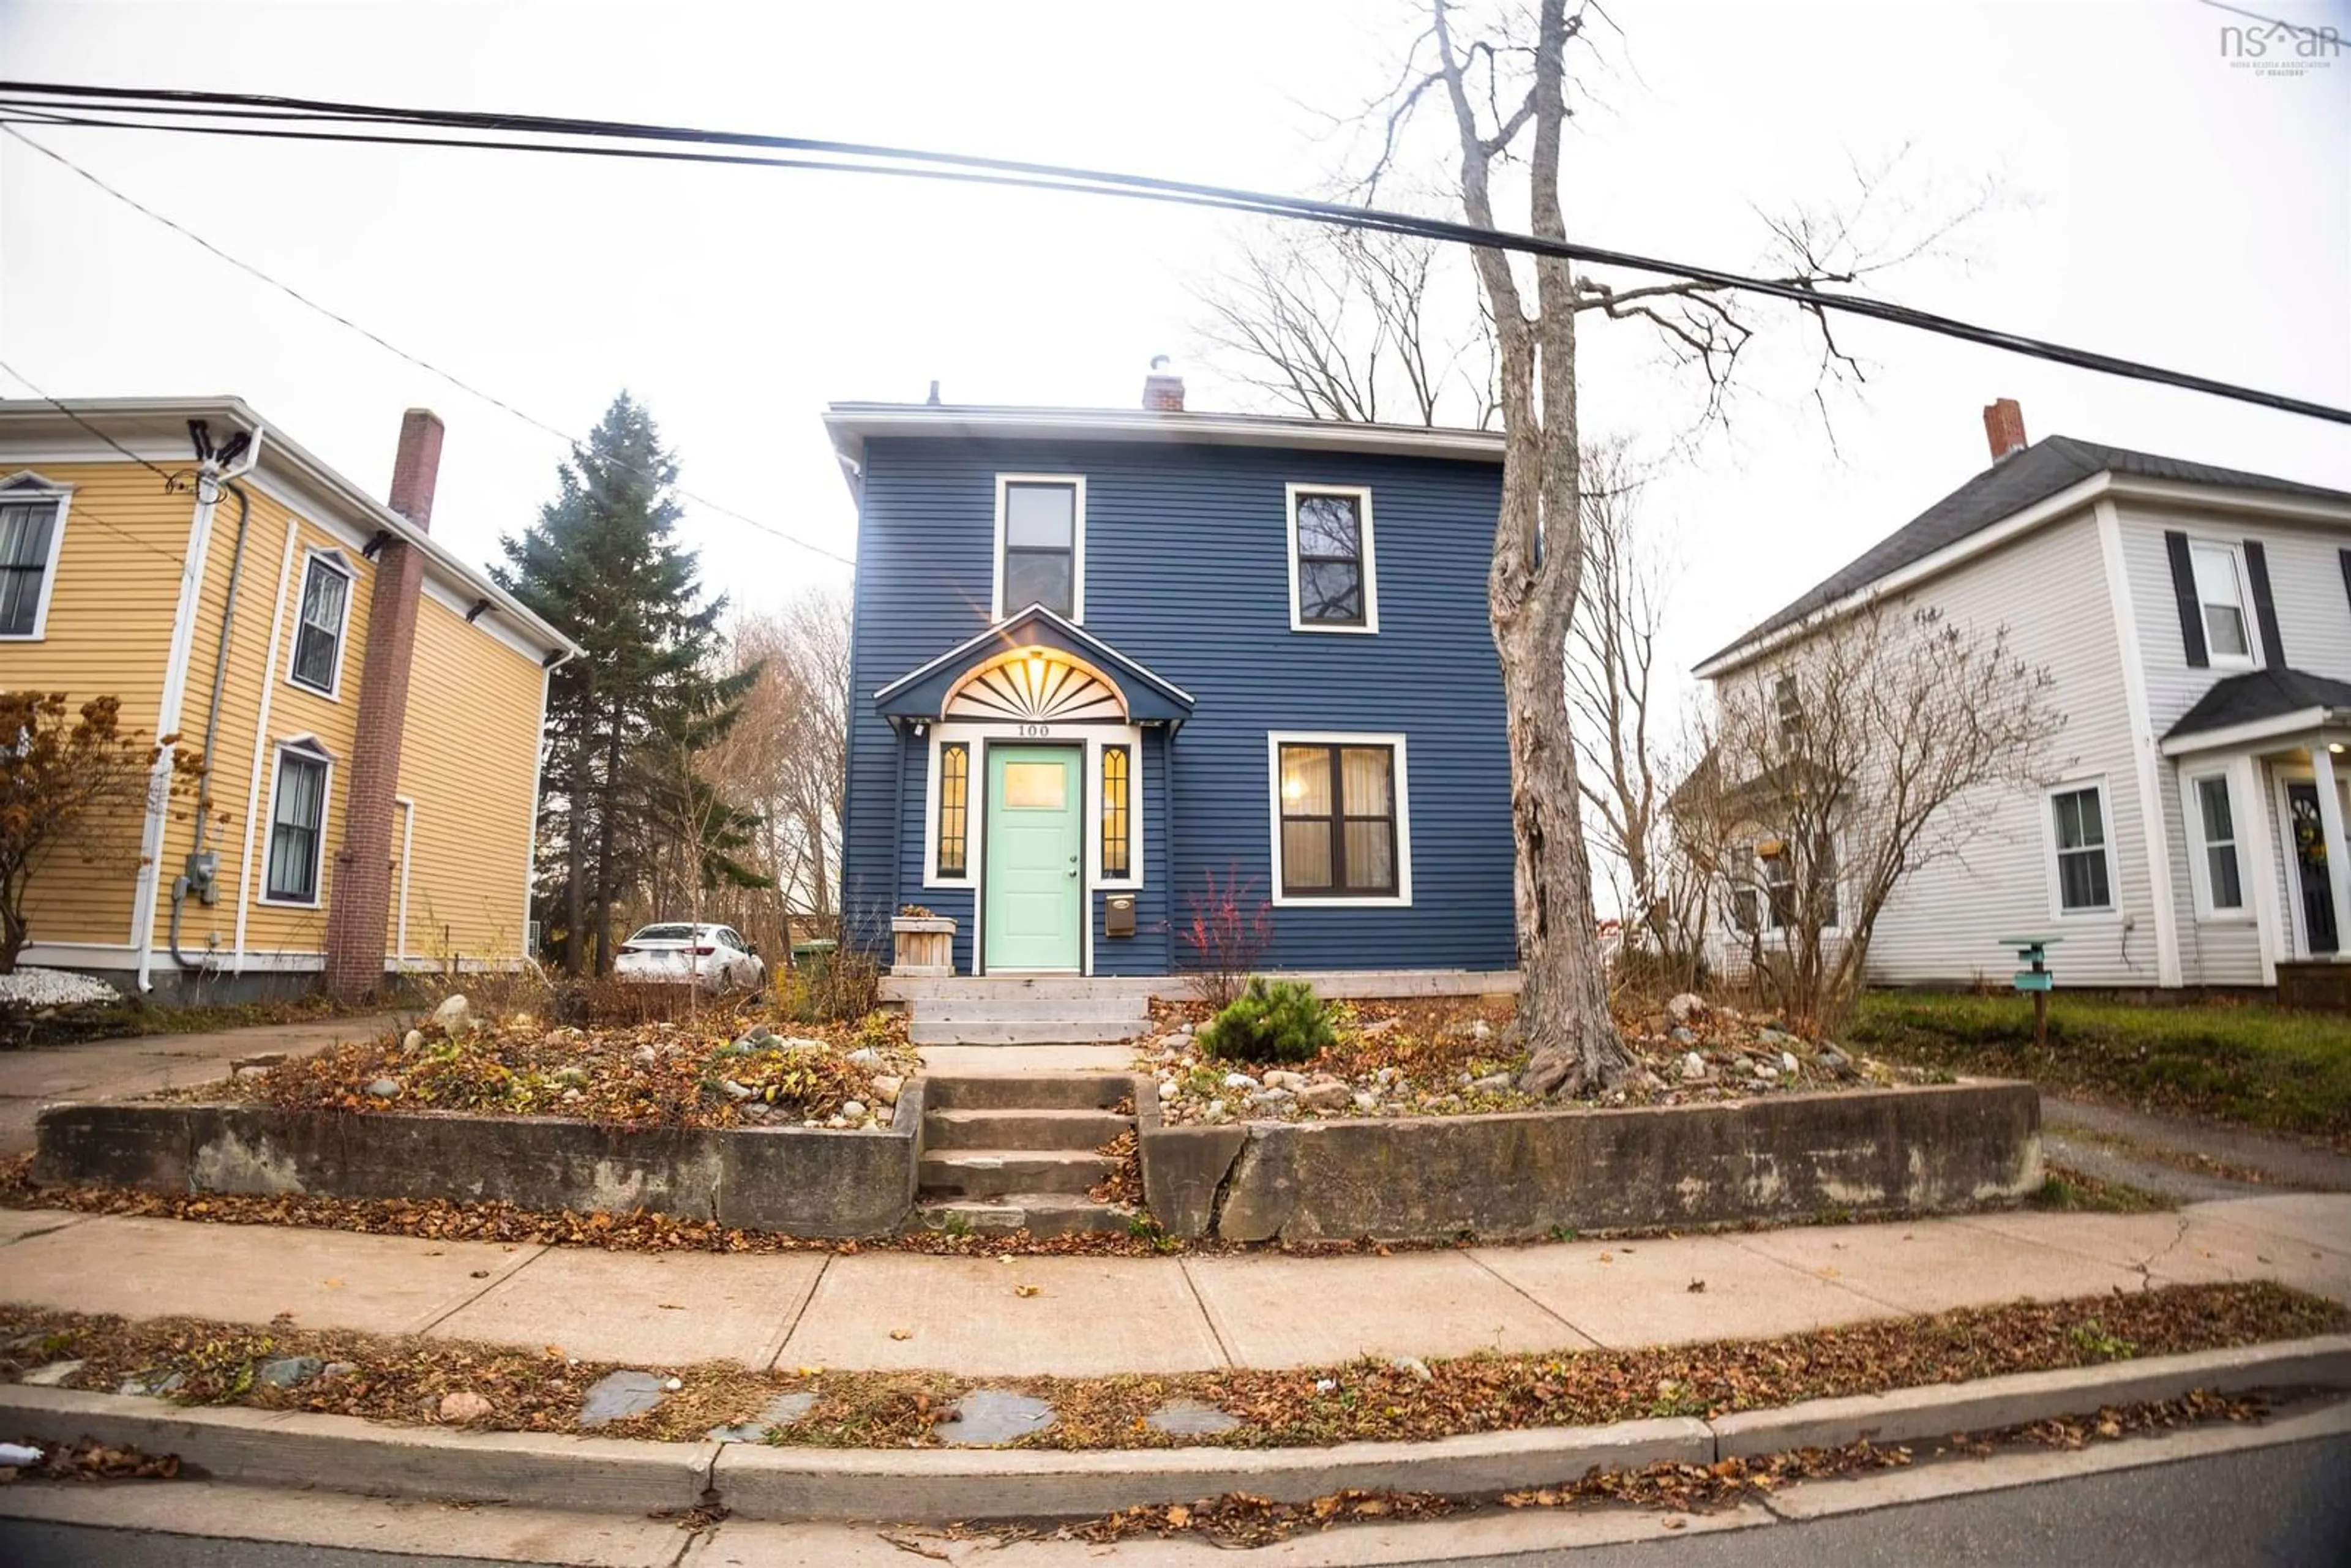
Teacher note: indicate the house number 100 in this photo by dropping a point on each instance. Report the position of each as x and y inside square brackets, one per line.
[1036, 730]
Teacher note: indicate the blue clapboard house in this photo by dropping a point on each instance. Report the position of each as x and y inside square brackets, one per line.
[1101, 656]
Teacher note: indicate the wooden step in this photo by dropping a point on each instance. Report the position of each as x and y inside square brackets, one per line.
[1037, 1213]
[1028, 1091]
[992, 1173]
[1022, 1128]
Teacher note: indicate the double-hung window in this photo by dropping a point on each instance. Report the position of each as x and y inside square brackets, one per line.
[1041, 544]
[2078, 823]
[1332, 584]
[28, 539]
[1341, 831]
[318, 634]
[2221, 601]
[298, 824]
[2224, 883]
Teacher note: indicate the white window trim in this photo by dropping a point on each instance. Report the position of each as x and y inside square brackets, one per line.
[336, 561]
[311, 749]
[2057, 910]
[1362, 494]
[2241, 783]
[1275, 740]
[1777, 935]
[2235, 551]
[979, 736]
[29, 485]
[997, 609]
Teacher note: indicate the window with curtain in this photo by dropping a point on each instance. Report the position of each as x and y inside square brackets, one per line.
[1117, 762]
[2224, 883]
[298, 817]
[1329, 559]
[954, 808]
[2079, 823]
[1040, 535]
[1338, 820]
[318, 636]
[27, 528]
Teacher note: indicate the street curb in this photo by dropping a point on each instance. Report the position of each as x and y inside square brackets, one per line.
[931, 1485]
[1909, 1415]
[345, 1453]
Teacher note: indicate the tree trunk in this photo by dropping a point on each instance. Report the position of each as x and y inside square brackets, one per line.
[607, 882]
[14, 930]
[575, 856]
[1563, 1010]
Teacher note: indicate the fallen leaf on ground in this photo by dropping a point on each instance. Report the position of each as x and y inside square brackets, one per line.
[901, 1334]
[1026, 1290]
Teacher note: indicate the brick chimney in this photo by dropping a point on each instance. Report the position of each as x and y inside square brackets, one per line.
[1163, 389]
[360, 895]
[2005, 427]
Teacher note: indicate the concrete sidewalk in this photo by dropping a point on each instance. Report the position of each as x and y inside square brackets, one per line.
[1101, 1315]
[118, 1068]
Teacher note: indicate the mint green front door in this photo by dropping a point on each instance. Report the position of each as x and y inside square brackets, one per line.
[1034, 884]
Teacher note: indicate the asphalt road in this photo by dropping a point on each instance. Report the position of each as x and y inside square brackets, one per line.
[2286, 1505]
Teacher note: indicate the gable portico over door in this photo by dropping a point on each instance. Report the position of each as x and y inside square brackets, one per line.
[1024, 776]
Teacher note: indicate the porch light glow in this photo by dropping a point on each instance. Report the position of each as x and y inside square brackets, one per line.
[2336, 746]
[1036, 658]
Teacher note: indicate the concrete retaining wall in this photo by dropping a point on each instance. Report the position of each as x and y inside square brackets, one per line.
[800, 1180]
[1522, 1174]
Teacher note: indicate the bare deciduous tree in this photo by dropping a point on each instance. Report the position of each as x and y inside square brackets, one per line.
[1507, 90]
[1877, 747]
[1343, 324]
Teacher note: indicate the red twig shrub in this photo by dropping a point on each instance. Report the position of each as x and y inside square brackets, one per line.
[1229, 928]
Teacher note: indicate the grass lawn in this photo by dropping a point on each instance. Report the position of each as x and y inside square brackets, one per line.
[2247, 1062]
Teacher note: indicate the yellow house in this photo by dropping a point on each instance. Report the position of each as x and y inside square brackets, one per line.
[370, 706]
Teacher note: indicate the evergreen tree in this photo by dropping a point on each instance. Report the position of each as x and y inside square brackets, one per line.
[602, 566]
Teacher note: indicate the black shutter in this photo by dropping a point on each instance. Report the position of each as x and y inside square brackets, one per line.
[2183, 588]
[2257, 566]
[2345, 557]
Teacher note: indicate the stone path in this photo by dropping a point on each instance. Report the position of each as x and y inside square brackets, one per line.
[984, 1317]
[2182, 1157]
[118, 1068]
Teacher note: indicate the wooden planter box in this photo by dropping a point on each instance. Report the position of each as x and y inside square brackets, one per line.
[921, 944]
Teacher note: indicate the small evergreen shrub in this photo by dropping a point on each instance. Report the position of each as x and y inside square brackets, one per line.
[1276, 1020]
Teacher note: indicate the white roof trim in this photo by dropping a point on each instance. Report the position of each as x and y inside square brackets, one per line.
[281, 450]
[2278, 727]
[2070, 499]
[853, 424]
[973, 643]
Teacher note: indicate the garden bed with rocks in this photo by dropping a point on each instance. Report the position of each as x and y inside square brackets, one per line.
[1456, 1056]
[722, 1068]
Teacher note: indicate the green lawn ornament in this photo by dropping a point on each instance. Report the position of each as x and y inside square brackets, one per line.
[2037, 980]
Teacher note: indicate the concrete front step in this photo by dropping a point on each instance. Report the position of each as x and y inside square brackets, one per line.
[991, 1006]
[922, 1029]
[1022, 1128]
[992, 1173]
[918, 988]
[1028, 1091]
[1037, 1213]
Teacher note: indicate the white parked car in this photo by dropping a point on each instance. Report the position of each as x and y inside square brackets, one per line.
[714, 956]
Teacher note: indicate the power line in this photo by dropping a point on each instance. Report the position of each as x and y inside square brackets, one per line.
[882, 159]
[81, 511]
[382, 342]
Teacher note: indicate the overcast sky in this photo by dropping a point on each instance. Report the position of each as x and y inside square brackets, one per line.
[2155, 203]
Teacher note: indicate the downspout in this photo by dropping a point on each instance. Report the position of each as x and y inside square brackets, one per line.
[200, 876]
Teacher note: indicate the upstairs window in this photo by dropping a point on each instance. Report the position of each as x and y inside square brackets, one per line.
[2224, 886]
[2221, 598]
[2078, 821]
[955, 809]
[1040, 541]
[1788, 707]
[1331, 584]
[28, 540]
[318, 635]
[298, 824]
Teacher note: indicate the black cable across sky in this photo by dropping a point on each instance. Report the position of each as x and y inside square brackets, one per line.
[222, 113]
